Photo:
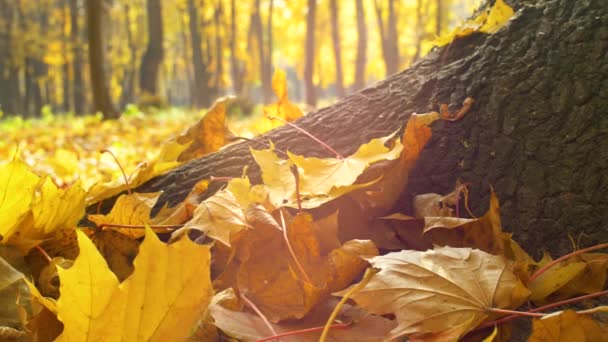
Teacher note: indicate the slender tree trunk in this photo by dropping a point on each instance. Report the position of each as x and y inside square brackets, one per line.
[361, 60]
[269, 45]
[393, 60]
[438, 17]
[67, 79]
[153, 57]
[200, 93]
[237, 70]
[310, 94]
[128, 84]
[101, 95]
[78, 93]
[335, 37]
[258, 33]
[388, 37]
[219, 60]
[7, 80]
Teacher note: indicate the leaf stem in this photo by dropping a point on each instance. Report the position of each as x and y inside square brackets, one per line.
[124, 175]
[565, 257]
[327, 147]
[515, 313]
[291, 251]
[44, 254]
[140, 226]
[296, 174]
[369, 273]
[304, 331]
[259, 313]
[544, 308]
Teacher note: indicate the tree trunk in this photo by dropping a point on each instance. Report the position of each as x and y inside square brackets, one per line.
[257, 30]
[78, 93]
[200, 93]
[128, 83]
[537, 132]
[361, 60]
[438, 17]
[335, 37]
[237, 68]
[219, 58]
[153, 57]
[310, 95]
[101, 94]
[388, 37]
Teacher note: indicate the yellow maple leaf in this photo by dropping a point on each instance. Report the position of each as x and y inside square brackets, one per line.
[282, 109]
[133, 209]
[320, 179]
[32, 208]
[17, 184]
[490, 21]
[554, 278]
[219, 216]
[160, 301]
[568, 325]
[208, 135]
[441, 292]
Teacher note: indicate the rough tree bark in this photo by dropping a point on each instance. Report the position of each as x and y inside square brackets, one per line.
[538, 131]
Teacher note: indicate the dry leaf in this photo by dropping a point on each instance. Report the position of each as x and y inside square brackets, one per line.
[219, 216]
[162, 300]
[567, 326]
[441, 292]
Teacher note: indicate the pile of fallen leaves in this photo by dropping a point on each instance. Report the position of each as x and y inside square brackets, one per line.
[314, 252]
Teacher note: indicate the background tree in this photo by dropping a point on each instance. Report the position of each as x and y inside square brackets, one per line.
[388, 36]
[257, 35]
[237, 66]
[153, 57]
[101, 96]
[335, 36]
[361, 46]
[200, 93]
[309, 62]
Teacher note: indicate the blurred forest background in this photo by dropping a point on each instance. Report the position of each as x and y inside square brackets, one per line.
[85, 56]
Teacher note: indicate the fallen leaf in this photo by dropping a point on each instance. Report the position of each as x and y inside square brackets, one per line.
[489, 21]
[554, 278]
[133, 209]
[484, 233]
[219, 216]
[14, 293]
[17, 184]
[268, 275]
[246, 326]
[320, 179]
[441, 291]
[567, 326]
[162, 300]
[35, 207]
[208, 135]
[282, 109]
[591, 280]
